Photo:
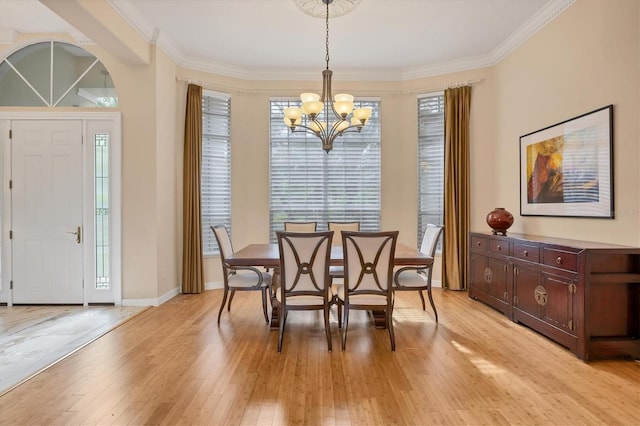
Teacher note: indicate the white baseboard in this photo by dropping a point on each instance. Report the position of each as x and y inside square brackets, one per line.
[152, 302]
[436, 284]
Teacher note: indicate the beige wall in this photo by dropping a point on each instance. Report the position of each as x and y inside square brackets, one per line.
[168, 173]
[586, 58]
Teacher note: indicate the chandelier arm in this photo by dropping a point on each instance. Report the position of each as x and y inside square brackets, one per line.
[352, 128]
[299, 128]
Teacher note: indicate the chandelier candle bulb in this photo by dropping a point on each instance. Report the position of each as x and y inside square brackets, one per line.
[293, 113]
[312, 108]
[343, 108]
[362, 114]
[317, 126]
[309, 97]
[341, 125]
[343, 97]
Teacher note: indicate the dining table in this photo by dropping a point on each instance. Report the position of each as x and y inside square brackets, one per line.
[267, 255]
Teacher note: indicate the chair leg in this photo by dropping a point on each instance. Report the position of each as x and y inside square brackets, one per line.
[339, 303]
[431, 301]
[390, 327]
[424, 308]
[327, 327]
[344, 328]
[283, 318]
[224, 300]
[264, 304]
[233, 293]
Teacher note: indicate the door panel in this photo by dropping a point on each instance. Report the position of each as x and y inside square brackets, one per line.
[46, 196]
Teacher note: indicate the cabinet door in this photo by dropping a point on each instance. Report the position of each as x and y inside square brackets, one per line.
[499, 284]
[547, 297]
[490, 281]
[561, 300]
[525, 284]
[478, 279]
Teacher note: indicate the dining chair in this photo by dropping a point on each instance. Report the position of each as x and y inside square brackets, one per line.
[338, 227]
[418, 278]
[239, 278]
[300, 226]
[368, 274]
[304, 276]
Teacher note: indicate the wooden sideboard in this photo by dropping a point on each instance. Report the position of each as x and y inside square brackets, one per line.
[583, 295]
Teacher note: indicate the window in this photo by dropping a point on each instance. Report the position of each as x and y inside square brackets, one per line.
[55, 74]
[215, 182]
[430, 161]
[307, 184]
[101, 146]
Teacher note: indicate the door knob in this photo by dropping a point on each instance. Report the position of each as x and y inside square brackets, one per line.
[78, 234]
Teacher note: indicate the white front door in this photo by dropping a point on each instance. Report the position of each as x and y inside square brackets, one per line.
[46, 214]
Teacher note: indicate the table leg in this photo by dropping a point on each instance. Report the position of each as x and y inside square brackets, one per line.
[379, 319]
[275, 284]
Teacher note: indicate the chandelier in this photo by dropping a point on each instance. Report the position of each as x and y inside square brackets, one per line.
[309, 118]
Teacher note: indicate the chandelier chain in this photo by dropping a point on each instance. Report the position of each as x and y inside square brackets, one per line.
[327, 40]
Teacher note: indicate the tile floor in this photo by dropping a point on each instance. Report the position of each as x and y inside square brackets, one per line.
[34, 337]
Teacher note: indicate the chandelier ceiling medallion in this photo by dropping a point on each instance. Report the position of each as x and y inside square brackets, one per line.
[309, 118]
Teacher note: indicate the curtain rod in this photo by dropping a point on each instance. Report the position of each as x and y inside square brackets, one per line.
[214, 86]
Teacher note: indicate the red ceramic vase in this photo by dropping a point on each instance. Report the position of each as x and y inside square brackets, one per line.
[499, 220]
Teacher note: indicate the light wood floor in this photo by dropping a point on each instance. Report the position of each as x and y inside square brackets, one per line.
[174, 365]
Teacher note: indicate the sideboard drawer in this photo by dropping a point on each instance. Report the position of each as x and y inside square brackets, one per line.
[560, 259]
[526, 252]
[479, 243]
[498, 246]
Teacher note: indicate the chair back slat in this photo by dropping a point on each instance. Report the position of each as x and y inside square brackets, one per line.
[430, 239]
[338, 227]
[368, 258]
[224, 241]
[300, 226]
[304, 261]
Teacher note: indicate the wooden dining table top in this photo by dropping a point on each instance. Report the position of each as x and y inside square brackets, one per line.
[268, 255]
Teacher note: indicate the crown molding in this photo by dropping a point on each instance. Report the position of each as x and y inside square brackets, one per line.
[545, 15]
[448, 67]
[131, 14]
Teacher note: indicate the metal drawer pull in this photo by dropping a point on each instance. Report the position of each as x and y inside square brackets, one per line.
[559, 260]
[526, 253]
[478, 243]
[498, 247]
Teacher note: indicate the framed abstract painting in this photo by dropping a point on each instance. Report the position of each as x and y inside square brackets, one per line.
[567, 169]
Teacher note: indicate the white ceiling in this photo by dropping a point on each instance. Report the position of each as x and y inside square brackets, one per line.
[380, 39]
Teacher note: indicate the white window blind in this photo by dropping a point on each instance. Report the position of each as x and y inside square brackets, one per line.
[307, 184]
[216, 167]
[430, 161]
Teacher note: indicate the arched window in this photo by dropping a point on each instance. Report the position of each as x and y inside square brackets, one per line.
[55, 74]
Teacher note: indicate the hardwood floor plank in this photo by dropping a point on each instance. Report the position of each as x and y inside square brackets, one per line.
[175, 365]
